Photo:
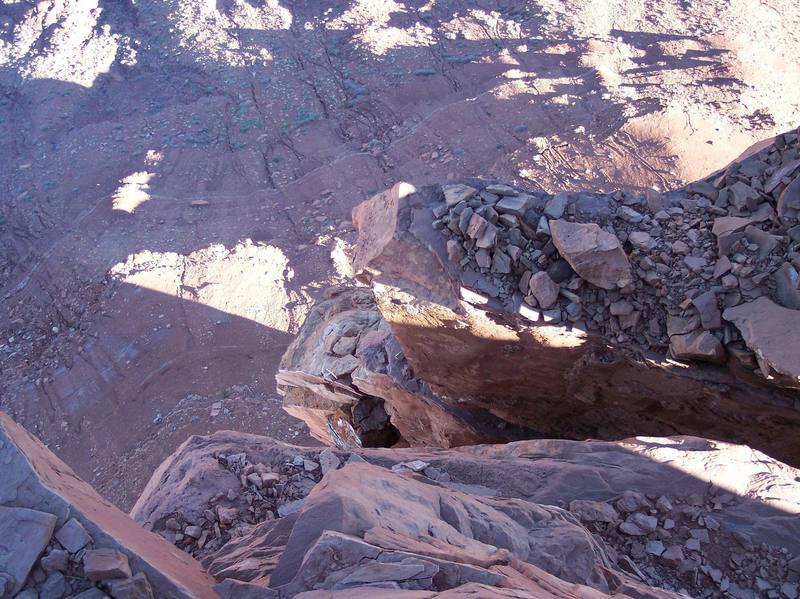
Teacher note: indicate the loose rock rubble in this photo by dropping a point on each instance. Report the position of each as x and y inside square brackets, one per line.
[265, 492]
[655, 270]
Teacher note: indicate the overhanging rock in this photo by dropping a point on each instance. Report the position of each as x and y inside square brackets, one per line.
[483, 345]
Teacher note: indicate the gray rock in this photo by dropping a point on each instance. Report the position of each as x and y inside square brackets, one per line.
[453, 194]
[345, 346]
[654, 548]
[55, 587]
[708, 310]
[673, 553]
[697, 345]
[29, 593]
[629, 215]
[544, 289]
[501, 262]
[556, 205]
[641, 240]
[593, 511]
[24, 535]
[631, 501]
[328, 461]
[501, 189]
[105, 564]
[73, 536]
[137, 587]
[644, 522]
[516, 205]
[787, 286]
[57, 559]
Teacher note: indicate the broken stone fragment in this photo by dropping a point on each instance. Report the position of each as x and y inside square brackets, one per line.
[455, 251]
[73, 536]
[345, 346]
[556, 206]
[544, 289]
[765, 241]
[787, 286]
[597, 256]
[708, 309]
[136, 587]
[697, 345]
[641, 240]
[678, 325]
[501, 262]
[516, 205]
[501, 189]
[773, 333]
[453, 194]
[593, 511]
[24, 535]
[789, 200]
[105, 564]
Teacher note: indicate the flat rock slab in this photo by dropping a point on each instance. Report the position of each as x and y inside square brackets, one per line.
[24, 534]
[597, 256]
[105, 564]
[772, 332]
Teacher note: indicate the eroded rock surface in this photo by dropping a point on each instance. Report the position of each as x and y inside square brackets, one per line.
[644, 517]
[59, 538]
[574, 330]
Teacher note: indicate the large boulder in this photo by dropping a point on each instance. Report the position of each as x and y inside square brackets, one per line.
[40, 496]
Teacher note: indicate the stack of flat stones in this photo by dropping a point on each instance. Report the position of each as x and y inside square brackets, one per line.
[654, 269]
[41, 560]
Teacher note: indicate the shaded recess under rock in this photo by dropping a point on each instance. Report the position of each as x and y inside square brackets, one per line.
[505, 313]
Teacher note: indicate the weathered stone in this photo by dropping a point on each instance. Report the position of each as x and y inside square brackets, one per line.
[629, 215]
[772, 332]
[73, 536]
[453, 194]
[722, 267]
[555, 206]
[501, 189]
[93, 593]
[345, 346]
[593, 511]
[729, 224]
[477, 225]
[54, 586]
[643, 521]
[595, 255]
[56, 559]
[787, 286]
[789, 200]
[679, 325]
[543, 289]
[105, 564]
[766, 242]
[674, 553]
[501, 262]
[654, 548]
[697, 345]
[328, 461]
[516, 205]
[708, 310]
[641, 240]
[136, 587]
[24, 534]
[488, 238]
[455, 251]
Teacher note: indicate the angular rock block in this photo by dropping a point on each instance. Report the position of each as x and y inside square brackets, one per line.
[39, 493]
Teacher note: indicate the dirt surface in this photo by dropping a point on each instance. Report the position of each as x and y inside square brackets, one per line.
[176, 175]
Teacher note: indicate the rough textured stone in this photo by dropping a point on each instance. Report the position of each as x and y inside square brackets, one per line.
[33, 477]
[773, 332]
[543, 289]
[24, 534]
[697, 345]
[73, 536]
[595, 255]
[105, 564]
[136, 587]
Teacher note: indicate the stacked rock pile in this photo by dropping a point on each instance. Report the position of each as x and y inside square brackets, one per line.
[39, 561]
[267, 491]
[654, 269]
[660, 540]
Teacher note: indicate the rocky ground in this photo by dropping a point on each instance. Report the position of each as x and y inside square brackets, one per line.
[167, 165]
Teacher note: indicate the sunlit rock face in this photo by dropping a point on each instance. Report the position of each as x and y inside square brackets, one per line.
[482, 347]
[643, 517]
